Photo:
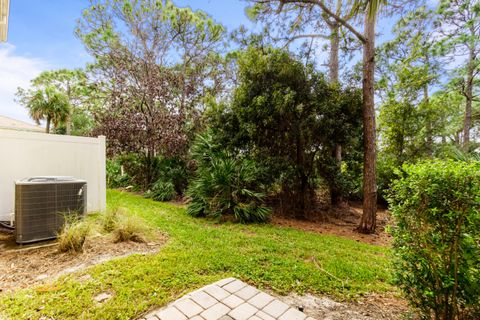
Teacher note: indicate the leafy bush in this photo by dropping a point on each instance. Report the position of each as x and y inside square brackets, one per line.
[224, 185]
[72, 236]
[386, 168]
[437, 237]
[139, 168]
[161, 191]
[115, 178]
[144, 173]
[130, 228]
[174, 171]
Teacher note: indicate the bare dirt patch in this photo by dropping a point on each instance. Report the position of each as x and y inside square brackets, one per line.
[341, 222]
[43, 263]
[372, 307]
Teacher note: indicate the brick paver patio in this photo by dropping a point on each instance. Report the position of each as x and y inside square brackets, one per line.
[227, 299]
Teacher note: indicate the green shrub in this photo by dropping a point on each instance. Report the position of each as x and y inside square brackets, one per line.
[115, 178]
[161, 191]
[72, 236]
[139, 168]
[386, 168]
[174, 170]
[224, 185]
[437, 238]
[130, 228]
[142, 173]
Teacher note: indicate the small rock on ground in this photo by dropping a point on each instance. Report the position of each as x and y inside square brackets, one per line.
[102, 297]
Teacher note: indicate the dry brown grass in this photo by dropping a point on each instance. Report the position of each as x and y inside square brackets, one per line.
[73, 235]
[130, 228]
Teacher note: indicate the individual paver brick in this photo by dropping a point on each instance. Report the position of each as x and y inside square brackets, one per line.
[226, 318]
[170, 313]
[188, 307]
[203, 299]
[264, 316]
[243, 311]
[232, 301]
[254, 318]
[151, 316]
[247, 292]
[293, 314]
[223, 282]
[217, 292]
[215, 312]
[261, 300]
[197, 318]
[275, 308]
[234, 286]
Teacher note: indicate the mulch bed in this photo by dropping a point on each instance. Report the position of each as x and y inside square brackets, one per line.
[25, 266]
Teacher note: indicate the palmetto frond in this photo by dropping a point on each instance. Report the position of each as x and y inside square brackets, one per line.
[224, 185]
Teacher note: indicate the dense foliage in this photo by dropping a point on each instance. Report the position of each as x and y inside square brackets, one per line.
[70, 96]
[288, 119]
[225, 184]
[170, 175]
[416, 120]
[45, 104]
[116, 177]
[436, 206]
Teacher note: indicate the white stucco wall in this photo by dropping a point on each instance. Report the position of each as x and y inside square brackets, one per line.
[24, 154]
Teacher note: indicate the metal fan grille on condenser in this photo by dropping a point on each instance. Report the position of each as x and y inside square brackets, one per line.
[43, 203]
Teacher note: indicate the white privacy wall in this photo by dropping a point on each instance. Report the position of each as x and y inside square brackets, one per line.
[25, 154]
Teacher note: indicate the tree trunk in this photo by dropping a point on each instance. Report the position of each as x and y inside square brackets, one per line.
[428, 123]
[336, 197]
[68, 125]
[333, 64]
[426, 101]
[303, 197]
[47, 129]
[468, 106]
[300, 203]
[369, 216]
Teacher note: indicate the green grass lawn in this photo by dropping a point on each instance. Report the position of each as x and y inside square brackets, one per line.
[199, 252]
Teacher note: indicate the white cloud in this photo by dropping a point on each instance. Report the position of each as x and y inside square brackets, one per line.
[16, 71]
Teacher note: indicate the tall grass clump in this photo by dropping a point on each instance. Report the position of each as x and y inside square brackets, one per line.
[130, 228]
[109, 219]
[73, 235]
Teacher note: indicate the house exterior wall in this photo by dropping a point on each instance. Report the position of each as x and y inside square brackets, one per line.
[24, 154]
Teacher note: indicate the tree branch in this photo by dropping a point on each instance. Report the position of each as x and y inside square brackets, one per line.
[301, 36]
[325, 9]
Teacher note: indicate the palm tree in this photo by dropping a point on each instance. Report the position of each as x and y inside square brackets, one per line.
[49, 105]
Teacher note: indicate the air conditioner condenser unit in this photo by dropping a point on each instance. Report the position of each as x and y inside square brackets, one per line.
[43, 203]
